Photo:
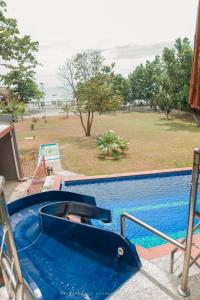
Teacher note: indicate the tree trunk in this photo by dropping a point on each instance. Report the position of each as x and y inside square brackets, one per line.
[196, 116]
[89, 123]
[167, 113]
[82, 123]
[88, 133]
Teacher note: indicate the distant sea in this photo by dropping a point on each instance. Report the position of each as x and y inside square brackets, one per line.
[57, 93]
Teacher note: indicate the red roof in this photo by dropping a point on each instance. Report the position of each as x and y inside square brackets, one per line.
[194, 97]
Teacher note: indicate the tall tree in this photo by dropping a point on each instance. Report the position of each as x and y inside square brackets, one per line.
[144, 82]
[91, 83]
[164, 82]
[18, 57]
[23, 85]
[8, 34]
[137, 83]
[177, 65]
[121, 85]
[95, 95]
[154, 71]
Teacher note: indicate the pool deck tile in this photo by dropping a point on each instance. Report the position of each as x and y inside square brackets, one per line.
[159, 251]
[154, 252]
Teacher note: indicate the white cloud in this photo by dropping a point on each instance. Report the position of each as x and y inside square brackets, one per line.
[64, 27]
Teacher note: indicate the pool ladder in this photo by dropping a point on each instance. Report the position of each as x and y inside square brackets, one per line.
[186, 244]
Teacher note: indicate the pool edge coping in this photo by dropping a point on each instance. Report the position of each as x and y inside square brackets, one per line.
[119, 175]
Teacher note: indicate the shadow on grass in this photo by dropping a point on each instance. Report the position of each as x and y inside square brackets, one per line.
[83, 141]
[112, 159]
[173, 124]
[187, 117]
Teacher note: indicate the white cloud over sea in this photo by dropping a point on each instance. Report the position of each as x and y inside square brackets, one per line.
[126, 31]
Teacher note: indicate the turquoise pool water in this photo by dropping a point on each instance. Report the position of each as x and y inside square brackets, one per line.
[161, 200]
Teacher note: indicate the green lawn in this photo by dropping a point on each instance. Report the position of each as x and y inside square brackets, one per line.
[155, 142]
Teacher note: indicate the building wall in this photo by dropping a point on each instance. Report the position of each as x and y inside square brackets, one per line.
[7, 163]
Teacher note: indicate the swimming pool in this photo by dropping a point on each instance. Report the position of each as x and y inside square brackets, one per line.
[160, 200]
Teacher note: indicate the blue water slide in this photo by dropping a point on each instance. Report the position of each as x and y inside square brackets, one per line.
[66, 259]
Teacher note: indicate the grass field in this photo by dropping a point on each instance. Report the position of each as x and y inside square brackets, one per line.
[155, 142]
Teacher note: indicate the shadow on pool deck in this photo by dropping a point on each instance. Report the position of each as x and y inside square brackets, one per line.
[152, 283]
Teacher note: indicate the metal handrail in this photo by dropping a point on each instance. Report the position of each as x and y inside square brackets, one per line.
[162, 235]
[197, 214]
[183, 287]
[176, 248]
[10, 243]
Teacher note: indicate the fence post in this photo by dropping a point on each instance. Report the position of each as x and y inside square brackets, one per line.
[44, 166]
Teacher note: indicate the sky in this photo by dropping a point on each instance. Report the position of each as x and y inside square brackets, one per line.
[126, 31]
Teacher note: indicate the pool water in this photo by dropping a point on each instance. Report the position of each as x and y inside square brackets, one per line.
[161, 200]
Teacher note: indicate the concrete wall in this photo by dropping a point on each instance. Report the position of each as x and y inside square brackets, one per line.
[7, 163]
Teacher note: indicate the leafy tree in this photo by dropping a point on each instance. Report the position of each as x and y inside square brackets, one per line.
[8, 34]
[177, 64]
[91, 83]
[154, 71]
[23, 85]
[137, 83]
[144, 82]
[18, 57]
[164, 82]
[66, 108]
[95, 95]
[13, 108]
[175, 77]
[121, 85]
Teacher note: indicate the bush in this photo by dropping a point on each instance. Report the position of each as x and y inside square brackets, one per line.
[32, 126]
[34, 120]
[110, 145]
[14, 108]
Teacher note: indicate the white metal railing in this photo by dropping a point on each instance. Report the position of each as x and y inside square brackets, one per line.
[15, 285]
[183, 287]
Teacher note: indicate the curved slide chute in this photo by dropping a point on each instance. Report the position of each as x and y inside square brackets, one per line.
[66, 259]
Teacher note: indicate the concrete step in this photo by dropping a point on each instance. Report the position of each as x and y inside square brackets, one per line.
[178, 261]
[151, 283]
